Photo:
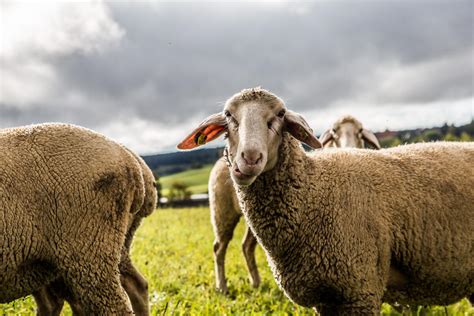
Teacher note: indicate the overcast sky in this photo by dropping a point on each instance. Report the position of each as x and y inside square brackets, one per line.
[146, 72]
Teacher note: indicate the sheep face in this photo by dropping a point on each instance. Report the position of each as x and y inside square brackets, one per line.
[254, 121]
[348, 132]
[253, 137]
[348, 135]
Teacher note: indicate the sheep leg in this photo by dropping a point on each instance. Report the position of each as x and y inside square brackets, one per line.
[47, 303]
[223, 237]
[248, 247]
[62, 292]
[136, 287]
[96, 285]
[106, 297]
[51, 305]
[50, 299]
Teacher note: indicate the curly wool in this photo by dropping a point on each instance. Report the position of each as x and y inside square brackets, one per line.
[67, 196]
[336, 224]
[256, 94]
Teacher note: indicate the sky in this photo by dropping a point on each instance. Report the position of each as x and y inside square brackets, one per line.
[145, 73]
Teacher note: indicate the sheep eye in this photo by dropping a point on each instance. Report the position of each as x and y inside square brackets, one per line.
[231, 118]
[270, 127]
[281, 113]
[232, 121]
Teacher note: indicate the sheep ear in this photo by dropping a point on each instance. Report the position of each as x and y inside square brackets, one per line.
[299, 128]
[369, 137]
[209, 129]
[326, 137]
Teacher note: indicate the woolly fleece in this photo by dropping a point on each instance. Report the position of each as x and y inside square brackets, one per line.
[345, 229]
[67, 200]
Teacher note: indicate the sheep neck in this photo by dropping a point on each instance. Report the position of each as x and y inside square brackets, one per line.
[272, 205]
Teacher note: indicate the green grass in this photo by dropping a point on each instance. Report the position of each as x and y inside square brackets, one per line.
[195, 179]
[173, 249]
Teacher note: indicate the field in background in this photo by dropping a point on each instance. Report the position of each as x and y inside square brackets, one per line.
[173, 249]
[195, 179]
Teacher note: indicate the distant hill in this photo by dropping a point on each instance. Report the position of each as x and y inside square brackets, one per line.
[194, 179]
[166, 164]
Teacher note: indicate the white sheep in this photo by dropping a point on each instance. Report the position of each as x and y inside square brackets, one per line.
[344, 230]
[346, 132]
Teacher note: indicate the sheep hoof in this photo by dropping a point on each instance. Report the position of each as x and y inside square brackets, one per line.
[223, 290]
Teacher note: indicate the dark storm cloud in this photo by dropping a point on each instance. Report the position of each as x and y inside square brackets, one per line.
[179, 60]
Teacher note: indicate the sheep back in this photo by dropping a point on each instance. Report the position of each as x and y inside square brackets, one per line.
[66, 195]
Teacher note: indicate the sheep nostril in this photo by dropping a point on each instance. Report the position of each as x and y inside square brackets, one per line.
[252, 158]
[245, 159]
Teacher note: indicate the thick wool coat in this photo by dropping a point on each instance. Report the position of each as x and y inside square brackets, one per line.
[346, 229]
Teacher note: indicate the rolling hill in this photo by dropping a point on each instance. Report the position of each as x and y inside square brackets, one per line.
[195, 179]
[171, 163]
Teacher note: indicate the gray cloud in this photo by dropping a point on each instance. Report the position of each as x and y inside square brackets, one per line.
[177, 61]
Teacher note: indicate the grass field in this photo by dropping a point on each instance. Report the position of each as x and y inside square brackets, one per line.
[173, 250]
[195, 179]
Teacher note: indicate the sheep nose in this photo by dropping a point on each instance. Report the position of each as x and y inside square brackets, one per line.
[252, 157]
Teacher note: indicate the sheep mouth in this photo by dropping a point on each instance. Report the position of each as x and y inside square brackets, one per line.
[242, 179]
[243, 176]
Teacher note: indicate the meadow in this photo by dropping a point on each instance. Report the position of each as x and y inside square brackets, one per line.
[173, 249]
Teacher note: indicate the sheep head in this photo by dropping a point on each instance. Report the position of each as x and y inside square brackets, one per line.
[348, 132]
[254, 121]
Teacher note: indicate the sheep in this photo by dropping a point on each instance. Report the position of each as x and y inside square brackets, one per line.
[346, 132]
[344, 230]
[70, 201]
[50, 299]
[225, 214]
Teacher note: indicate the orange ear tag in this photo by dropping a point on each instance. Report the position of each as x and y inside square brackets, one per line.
[200, 139]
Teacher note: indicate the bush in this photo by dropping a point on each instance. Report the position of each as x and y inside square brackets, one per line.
[179, 191]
